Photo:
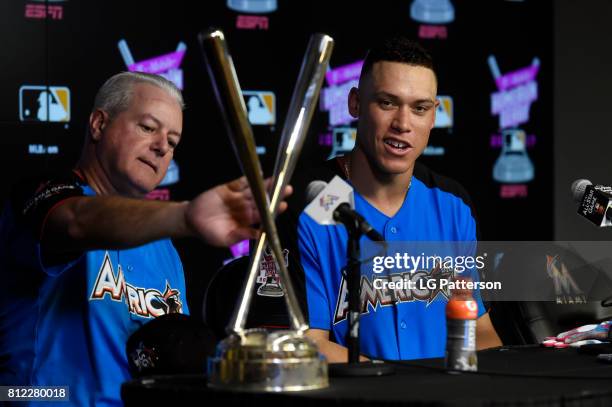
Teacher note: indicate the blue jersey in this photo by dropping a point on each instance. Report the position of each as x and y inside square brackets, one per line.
[65, 321]
[413, 326]
[435, 209]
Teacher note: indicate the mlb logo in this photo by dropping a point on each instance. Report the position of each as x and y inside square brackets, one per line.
[44, 103]
[515, 139]
[261, 107]
[444, 112]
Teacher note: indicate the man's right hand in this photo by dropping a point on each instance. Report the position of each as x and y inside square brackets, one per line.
[226, 213]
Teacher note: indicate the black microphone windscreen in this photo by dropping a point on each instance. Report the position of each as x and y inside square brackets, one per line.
[578, 187]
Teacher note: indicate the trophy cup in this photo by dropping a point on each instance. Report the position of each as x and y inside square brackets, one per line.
[255, 359]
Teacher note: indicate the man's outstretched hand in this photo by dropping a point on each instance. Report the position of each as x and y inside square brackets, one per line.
[227, 213]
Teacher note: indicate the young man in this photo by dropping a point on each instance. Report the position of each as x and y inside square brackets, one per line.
[85, 261]
[395, 107]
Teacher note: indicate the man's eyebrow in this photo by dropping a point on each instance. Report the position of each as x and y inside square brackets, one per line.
[396, 98]
[386, 95]
[425, 101]
[150, 116]
[159, 123]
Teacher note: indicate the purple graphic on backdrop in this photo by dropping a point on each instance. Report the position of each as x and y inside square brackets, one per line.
[159, 64]
[518, 77]
[343, 73]
[497, 141]
[167, 65]
[517, 91]
[334, 98]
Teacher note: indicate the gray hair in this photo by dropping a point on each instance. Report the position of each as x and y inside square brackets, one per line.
[116, 93]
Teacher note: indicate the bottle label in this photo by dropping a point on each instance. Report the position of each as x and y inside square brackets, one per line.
[461, 345]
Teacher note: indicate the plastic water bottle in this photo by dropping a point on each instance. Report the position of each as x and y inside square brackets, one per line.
[461, 314]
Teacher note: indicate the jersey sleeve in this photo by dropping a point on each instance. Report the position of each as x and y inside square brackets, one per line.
[316, 297]
[31, 203]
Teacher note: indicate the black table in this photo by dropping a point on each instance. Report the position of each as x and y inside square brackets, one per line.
[507, 376]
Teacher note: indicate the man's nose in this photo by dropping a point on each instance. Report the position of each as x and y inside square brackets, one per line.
[401, 120]
[160, 145]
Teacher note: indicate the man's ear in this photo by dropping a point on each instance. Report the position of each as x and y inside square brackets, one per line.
[98, 120]
[353, 102]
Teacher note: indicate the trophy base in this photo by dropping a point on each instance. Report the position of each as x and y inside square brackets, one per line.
[258, 361]
[362, 369]
[269, 290]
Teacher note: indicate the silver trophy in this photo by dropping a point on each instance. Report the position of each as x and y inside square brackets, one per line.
[254, 359]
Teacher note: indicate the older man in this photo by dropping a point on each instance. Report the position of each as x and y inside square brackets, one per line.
[86, 261]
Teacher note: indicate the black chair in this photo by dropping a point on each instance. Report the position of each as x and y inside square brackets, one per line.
[530, 266]
[223, 293]
[170, 344]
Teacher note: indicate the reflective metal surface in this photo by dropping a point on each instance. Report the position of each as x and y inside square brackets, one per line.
[299, 115]
[268, 361]
[257, 360]
[229, 96]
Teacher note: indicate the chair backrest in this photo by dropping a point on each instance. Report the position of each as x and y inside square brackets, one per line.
[170, 344]
[267, 310]
[572, 285]
[530, 322]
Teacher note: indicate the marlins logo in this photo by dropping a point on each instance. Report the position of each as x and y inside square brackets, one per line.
[372, 297]
[566, 289]
[145, 302]
[327, 201]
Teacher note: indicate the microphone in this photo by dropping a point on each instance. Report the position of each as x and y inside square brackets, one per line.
[578, 188]
[594, 201]
[333, 203]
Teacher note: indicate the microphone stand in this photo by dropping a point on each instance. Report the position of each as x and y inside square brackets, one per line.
[353, 281]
